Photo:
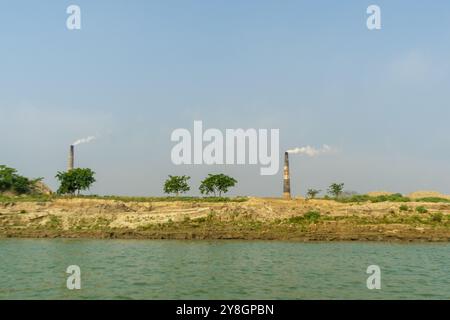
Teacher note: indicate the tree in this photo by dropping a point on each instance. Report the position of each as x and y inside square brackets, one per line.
[216, 184]
[336, 189]
[177, 185]
[75, 180]
[312, 193]
[10, 180]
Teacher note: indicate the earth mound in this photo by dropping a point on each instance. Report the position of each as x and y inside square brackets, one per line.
[427, 194]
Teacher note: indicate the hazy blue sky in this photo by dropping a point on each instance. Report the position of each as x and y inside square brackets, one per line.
[140, 69]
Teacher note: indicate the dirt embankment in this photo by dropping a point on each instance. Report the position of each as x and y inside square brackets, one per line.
[257, 218]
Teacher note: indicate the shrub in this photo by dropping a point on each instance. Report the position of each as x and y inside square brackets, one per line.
[404, 207]
[433, 199]
[308, 217]
[312, 216]
[421, 209]
[397, 197]
[11, 181]
[312, 193]
[437, 217]
[296, 219]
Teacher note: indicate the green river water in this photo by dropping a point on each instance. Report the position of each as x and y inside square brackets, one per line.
[148, 269]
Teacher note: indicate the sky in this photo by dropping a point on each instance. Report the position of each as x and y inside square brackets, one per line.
[138, 70]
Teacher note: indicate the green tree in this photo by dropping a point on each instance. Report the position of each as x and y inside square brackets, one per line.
[75, 180]
[177, 185]
[216, 184]
[10, 180]
[312, 193]
[336, 189]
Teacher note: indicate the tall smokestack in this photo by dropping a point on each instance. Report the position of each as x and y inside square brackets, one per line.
[286, 178]
[71, 158]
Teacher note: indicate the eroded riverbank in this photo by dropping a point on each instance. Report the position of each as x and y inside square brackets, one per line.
[257, 218]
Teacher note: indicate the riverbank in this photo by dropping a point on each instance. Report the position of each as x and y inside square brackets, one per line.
[252, 219]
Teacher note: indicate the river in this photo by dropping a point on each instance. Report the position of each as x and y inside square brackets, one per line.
[149, 269]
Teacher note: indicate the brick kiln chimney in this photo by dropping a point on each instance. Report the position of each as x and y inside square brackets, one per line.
[71, 158]
[286, 178]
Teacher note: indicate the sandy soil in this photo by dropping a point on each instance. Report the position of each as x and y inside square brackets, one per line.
[257, 218]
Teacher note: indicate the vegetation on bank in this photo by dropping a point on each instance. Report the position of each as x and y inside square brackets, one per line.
[336, 192]
[177, 185]
[13, 183]
[214, 184]
[165, 199]
[353, 199]
[45, 198]
[74, 181]
[17, 188]
[414, 220]
[25, 198]
[397, 197]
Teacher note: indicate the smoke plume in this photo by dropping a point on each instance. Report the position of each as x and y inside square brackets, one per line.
[311, 151]
[84, 140]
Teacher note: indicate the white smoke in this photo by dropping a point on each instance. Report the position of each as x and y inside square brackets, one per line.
[84, 140]
[311, 151]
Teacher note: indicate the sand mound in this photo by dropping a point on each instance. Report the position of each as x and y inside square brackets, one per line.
[42, 188]
[379, 193]
[427, 194]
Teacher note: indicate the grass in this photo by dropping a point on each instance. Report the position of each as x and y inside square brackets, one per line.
[309, 217]
[352, 199]
[396, 197]
[53, 223]
[433, 199]
[417, 219]
[159, 199]
[25, 198]
[437, 217]
[46, 198]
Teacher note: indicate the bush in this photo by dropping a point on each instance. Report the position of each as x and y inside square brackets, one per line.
[312, 193]
[11, 181]
[397, 197]
[308, 217]
[421, 209]
[433, 199]
[312, 216]
[437, 217]
[404, 207]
